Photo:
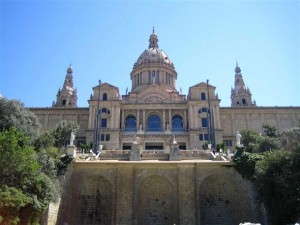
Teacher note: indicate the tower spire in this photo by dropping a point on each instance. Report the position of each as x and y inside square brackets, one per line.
[240, 95]
[67, 96]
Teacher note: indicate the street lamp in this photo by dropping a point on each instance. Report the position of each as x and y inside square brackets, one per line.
[97, 123]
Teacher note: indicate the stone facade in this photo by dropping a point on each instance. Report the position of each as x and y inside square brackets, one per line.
[152, 193]
[155, 110]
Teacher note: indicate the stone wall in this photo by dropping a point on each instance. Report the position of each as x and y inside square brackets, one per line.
[156, 193]
[50, 117]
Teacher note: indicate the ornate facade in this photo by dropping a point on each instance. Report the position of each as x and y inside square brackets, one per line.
[155, 110]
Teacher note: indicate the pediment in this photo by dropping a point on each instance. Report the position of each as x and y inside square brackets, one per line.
[154, 90]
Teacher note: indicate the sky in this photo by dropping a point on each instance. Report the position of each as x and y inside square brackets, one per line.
[103, 39]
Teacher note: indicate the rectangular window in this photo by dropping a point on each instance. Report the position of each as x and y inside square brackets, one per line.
[203, 137]
[102, 137]
[202, 96]
[103, 122]
[204, 122]
[107, 137]
[206, 137]
[150, 76]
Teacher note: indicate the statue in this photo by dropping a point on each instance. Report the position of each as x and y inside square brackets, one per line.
[238, 139]
[135, 140]
[72, 138]
[141, 126]
[168, 126]
[174, 140]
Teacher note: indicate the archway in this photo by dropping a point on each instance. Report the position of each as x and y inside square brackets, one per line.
[155, 202]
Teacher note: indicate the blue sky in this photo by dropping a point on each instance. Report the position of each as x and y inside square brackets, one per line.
[103, 39]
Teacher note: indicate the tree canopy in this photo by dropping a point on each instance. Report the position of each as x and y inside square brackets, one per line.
[272, 162]
[25, 188]
[14, 114]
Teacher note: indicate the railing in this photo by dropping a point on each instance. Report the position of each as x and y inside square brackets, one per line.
[150, 155]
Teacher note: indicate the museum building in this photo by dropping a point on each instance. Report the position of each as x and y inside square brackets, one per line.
[156, 111]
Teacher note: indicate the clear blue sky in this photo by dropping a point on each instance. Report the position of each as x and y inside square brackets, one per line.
[103, 39]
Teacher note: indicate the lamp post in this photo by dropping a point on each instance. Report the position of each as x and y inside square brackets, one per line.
[97, 129]
[211, 127]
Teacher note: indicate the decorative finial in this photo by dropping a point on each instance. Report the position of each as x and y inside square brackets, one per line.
[236, 63]
[153, 30]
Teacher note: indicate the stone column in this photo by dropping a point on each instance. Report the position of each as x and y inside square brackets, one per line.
[123, 120]
[164, 119]
[144, 119]
[196, 125]
[138, 119]
[190, 117]
[184, 119]
[170, 120]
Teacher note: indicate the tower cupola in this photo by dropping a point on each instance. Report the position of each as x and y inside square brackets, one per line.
[153, 40]
[67, 96]
[240, 95]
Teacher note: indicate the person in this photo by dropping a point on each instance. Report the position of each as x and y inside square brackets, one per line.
[238, 139]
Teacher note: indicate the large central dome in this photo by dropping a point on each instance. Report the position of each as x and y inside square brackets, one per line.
[153, 54]
[153, 67]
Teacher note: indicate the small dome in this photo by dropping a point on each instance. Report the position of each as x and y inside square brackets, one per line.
[153, 55]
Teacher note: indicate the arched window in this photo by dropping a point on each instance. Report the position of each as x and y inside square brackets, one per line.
[202, 97]
[64, 102]
[130, 124]
[154, 123]
[177, 123]
[104, 97]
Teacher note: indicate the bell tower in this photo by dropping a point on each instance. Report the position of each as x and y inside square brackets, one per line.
[240, 95]
[67, 96]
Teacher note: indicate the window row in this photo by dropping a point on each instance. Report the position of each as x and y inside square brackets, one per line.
[153, 77]
[154, 123]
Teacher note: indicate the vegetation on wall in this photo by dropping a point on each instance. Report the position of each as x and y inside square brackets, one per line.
[272, 162]
[30, 163]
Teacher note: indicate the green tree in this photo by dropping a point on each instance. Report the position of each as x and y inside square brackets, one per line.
[63, 131]
[269, 130]
[14, 114]
[278, 182]
[28, 189]
[249, 138]
[274, 167]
